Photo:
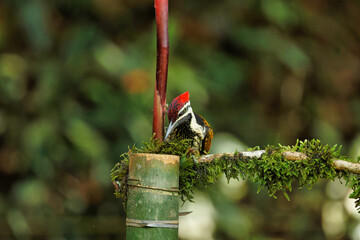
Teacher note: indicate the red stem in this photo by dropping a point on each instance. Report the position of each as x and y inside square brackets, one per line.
[161, 12]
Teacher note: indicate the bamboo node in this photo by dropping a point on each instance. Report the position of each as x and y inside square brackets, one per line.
[152, 223]
[155, 188]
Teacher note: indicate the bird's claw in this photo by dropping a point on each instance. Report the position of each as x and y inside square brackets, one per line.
[195, 160]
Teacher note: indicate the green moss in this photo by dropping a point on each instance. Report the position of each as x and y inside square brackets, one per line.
[120, 170]
[272, 172]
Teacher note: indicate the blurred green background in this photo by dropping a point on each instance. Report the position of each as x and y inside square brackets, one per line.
[76, 88]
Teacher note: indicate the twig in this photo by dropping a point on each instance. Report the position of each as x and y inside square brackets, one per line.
[345, 165]
[162, 25]
[211, 157]
[338, 164]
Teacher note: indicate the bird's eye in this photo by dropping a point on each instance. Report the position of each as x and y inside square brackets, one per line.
[183, 111]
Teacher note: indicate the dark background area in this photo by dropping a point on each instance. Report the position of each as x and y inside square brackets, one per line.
[76, 89]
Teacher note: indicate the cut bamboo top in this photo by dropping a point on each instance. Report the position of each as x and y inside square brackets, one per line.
[165, 158]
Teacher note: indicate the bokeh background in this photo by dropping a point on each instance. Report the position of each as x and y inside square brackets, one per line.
[76, 88]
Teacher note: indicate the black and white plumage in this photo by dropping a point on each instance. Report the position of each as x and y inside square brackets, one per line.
[185, 124]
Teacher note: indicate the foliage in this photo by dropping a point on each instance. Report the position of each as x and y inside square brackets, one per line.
[271, 171]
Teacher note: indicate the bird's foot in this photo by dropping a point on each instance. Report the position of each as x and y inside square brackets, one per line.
[193, 153]
[194, 159]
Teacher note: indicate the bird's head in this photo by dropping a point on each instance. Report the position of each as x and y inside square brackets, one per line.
[178, 111]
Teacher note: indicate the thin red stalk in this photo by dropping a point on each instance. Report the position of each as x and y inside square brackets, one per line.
[161, 12]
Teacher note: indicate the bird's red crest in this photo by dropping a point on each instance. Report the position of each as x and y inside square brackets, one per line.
[176, 105]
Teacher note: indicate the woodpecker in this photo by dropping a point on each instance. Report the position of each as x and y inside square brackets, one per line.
[185, 124]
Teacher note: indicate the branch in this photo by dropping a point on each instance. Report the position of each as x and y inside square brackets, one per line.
[274, 169]
[345, 165]
[338, 164]
[161, 12]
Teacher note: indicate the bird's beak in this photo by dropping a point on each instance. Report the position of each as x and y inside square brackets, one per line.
[169, 130]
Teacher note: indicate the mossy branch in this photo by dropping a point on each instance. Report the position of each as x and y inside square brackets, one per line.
[275, 168]
[338, 164]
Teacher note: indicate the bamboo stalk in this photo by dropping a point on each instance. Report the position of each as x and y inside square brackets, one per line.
[153, 197]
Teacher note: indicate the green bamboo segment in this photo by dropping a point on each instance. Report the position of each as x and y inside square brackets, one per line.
[153, 197]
